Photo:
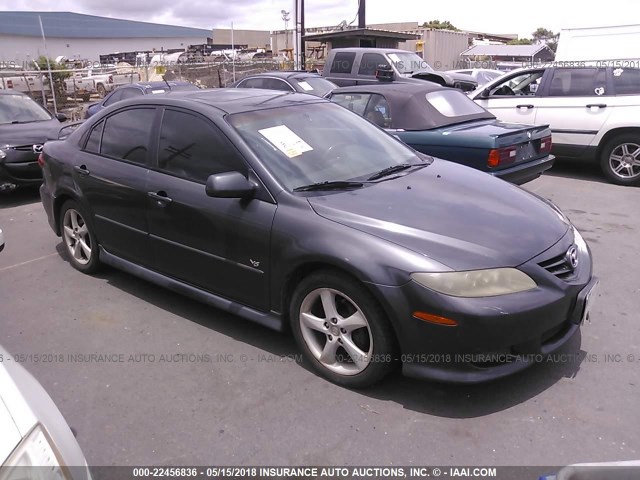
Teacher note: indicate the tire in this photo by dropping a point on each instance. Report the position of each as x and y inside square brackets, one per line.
[86, 97]
[355, 345]
[620, 159]
[79, 241]
[101, 90]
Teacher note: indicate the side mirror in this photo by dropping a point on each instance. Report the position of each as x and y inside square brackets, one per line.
[229, 185]
[385, 73]
[485, 94]
[61, 117]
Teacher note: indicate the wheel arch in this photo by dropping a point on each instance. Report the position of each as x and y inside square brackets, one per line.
[58, 202]
[614, 133]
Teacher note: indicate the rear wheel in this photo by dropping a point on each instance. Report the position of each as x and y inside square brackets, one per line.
[620, 160]
[101, 90]
[342, 330]
[79, 241]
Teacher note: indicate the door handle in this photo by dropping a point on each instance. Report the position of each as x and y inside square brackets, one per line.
[160, 197]
[81, 169]
[528, 107]
[597, 105]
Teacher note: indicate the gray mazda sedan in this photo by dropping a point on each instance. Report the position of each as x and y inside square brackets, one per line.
[295, 213]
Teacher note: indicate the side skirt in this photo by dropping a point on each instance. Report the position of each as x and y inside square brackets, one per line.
[270, 320]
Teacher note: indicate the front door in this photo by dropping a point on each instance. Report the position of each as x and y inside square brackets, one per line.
[218, 244]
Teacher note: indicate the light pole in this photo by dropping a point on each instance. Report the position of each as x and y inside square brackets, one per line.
[285, 17]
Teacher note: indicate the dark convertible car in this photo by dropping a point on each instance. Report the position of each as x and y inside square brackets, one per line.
[444, 122]
[291, 211]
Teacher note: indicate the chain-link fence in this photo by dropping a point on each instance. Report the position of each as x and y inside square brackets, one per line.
[74, 89]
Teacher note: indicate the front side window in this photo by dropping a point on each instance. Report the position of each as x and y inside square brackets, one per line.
[572, 82]
[370, 62]
[126, 135]
[343, 62]
[193, 148]
[378, 111]
[356, 102]
[523, 84]
[277, 84]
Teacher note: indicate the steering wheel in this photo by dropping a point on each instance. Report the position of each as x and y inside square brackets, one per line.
[504, 90]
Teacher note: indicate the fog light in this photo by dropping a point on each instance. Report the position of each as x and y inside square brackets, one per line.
[438, 320]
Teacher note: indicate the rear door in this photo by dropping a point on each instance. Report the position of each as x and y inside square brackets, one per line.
[515, 98]
[575, 103]
[111, 172]
[367, 67]
[217, 244]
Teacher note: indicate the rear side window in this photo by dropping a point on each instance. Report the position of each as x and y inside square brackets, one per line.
[356, 102]
[252, 83]
[370, 62]
[343, 62]
[126, 135]
[626, 81]
[193, 148]
[572, 82]
[93, 142]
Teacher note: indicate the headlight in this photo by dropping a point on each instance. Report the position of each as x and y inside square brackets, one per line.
[477, 283]
[34, 458]
[2, 154]
[579, 241]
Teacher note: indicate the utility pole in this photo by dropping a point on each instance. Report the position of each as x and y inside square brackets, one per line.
[303, 42]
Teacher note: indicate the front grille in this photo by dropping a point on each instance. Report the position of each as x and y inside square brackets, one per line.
[558, 266]
[23, 148]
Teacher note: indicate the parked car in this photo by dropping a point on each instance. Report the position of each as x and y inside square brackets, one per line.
[36, 439]
[137, 90]
[359, 66]
[24, 128]
[593, 112]
[289, 210]
[624, 470]
[445, 123]
[480, 75]
[302, 82]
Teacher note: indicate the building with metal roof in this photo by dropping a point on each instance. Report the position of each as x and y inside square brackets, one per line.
[509, 53]
[86, 37]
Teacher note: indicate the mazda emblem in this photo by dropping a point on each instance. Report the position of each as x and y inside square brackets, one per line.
[572, 257]
[37, 148]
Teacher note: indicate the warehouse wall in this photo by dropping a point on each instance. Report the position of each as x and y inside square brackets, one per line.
[22, 49]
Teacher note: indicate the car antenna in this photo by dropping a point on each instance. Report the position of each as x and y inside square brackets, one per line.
[165, 81]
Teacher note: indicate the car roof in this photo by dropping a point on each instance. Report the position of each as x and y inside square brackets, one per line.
[284, 74]
[371, 50]
[230, 100]
[410, 99]
[10, 91]
[156, 84]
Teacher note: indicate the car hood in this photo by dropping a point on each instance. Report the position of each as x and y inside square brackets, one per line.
[29, 133]
[458, 216]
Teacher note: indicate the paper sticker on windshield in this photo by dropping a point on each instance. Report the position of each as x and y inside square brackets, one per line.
[286, 140]
[305, 86]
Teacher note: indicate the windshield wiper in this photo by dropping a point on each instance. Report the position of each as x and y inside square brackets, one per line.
[385, 172]
[335, 185]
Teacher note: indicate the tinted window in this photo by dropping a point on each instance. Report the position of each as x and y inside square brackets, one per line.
[578, 82]
[131, 92]
[277, 84]
[114, 97]
[193, 148]
[626, 81]
[356, 102]
[126, 135]
[453, 103]
[93, 142]
[370, 62]
[251, 83]
[343, 62]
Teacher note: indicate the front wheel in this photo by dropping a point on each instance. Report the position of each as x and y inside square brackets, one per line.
[79, 241]
[342, 330]
[620, 160]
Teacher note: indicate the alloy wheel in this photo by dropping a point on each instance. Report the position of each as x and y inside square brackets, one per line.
[76, 237]
[624, 160]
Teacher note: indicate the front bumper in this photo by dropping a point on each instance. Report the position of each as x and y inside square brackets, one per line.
[494, 336]
[527, 171]
[17, 174]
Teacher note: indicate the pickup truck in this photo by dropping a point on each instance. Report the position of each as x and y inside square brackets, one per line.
[100, 83]
[24, 82]
[359, 66]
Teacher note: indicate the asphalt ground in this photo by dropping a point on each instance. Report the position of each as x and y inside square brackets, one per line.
[180, 383]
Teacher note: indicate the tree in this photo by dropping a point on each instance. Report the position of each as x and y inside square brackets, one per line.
[58, 76]
[438, 25]
[521, 41]
[542, 35]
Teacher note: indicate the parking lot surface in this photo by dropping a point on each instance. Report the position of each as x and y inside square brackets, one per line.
[146, 376]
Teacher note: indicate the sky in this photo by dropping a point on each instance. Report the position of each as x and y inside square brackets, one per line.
[504, 16]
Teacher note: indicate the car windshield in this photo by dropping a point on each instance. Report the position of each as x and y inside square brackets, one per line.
[407, 62]
[321, 142]
[21, 109]
[315, 85]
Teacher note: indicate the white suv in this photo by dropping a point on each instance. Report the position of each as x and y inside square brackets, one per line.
[593, 112]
